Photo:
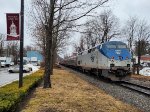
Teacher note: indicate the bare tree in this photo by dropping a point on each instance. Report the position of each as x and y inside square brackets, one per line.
[101, 29]
[2, 37]
[109, 25]
[90, 35]
[129, 31]
[143, 32]
[144, 47]
[143, 36]
[54, 16]
[28, 48]
[138, 32]
[12, 49]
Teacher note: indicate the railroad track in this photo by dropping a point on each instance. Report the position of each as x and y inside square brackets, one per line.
[135, 87]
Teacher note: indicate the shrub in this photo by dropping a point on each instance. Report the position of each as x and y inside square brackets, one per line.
[11, 95]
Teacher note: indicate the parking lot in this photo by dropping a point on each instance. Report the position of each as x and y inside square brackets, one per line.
[6, 77]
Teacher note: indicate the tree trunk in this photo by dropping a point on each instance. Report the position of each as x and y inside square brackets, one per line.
[52, 62]
[47, 81]
[54, 54]
[139, 56]
[49, 44]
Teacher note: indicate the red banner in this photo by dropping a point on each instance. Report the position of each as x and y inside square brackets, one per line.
[12, 26]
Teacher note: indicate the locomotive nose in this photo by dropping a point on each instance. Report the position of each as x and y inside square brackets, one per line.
[120, 73]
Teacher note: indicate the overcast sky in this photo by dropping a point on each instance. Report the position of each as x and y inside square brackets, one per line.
[121, 8]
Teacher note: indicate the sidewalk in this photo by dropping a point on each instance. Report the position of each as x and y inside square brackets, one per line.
[69, 93]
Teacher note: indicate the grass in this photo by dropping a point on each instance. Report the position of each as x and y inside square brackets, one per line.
[69, 93]
[141, 77]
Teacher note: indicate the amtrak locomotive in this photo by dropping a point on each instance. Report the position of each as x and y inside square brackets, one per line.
[111, 59]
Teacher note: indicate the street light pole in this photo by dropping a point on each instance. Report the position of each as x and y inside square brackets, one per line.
[21, 45]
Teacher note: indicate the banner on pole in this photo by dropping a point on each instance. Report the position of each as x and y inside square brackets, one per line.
[12, 26]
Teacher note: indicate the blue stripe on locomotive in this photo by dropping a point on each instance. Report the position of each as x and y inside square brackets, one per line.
[117, 53]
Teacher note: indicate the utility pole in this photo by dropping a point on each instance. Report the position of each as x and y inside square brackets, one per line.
[139, 56]
[21, 45]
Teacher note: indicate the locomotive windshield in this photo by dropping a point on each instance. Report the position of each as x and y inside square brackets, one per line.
[121, 46]
[116, 46]
[111, 46]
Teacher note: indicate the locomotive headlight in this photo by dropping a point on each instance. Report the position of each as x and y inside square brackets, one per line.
[112, 59]
[128, 65]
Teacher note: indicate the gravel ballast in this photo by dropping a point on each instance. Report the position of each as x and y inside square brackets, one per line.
[128, 96]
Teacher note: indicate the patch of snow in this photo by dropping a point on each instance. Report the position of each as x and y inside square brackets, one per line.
[145, 71]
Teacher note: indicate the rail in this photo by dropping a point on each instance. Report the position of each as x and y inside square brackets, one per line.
[136, 87]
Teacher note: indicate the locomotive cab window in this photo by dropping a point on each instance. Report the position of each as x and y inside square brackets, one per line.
[111, 46]
[121, 46]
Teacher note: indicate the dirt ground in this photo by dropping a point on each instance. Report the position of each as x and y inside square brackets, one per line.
[141, 77]
[69, 93]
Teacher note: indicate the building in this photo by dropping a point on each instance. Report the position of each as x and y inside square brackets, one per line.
[145, 59]
[37, 54]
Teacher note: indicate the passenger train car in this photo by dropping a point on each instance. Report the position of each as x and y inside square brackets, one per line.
[111, 59]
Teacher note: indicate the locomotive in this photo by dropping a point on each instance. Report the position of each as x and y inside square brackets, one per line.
[110, 59]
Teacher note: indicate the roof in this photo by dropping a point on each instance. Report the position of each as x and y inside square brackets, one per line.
[145, 57]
